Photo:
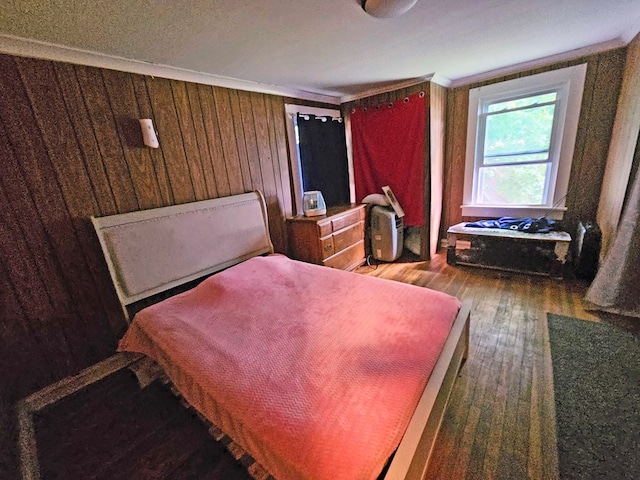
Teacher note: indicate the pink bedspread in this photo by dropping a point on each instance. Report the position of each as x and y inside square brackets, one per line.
[314, 371]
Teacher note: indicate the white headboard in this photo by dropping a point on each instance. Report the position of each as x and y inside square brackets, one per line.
[151, 251]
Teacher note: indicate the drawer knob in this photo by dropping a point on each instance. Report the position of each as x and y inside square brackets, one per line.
[327, 248]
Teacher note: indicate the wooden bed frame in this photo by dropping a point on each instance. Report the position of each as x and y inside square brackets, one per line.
[152, 251]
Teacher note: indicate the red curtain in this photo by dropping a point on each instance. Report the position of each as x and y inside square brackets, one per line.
[388, 144]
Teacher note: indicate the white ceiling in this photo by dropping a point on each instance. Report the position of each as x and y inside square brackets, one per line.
[323, 47]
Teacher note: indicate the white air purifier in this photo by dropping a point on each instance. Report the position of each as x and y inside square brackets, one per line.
[386, 234]
[313, 203]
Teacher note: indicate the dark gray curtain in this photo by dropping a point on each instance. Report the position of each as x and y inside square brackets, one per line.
[323, 157]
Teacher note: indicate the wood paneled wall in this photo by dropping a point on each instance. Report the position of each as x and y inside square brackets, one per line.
[71, 147]
[601, 90]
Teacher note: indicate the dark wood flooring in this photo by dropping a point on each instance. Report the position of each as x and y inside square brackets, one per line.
[113, 430]
[500, 422]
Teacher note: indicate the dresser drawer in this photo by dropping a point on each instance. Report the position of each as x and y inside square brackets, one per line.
[324, 228]
[347, 259]
[345, 220]
[348, 236]
[327, 247]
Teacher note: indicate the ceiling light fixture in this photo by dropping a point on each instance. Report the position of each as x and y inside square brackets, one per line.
[387, 8]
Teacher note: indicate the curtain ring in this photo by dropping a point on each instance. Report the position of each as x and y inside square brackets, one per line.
[421, 94]
[405, 99]
[390, 104]
[353, 110]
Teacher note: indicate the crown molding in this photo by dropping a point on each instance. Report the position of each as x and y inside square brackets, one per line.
[541, 62]
[441, 80]
[24, 47]
[388, 88]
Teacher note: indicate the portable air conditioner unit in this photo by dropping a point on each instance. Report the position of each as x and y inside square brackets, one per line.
[386, 234]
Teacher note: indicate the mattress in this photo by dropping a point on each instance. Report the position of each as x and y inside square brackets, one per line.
[315, 372]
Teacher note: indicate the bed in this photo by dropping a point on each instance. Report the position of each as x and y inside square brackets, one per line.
[314, 372]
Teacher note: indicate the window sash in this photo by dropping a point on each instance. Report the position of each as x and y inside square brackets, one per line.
[485, 116]
[543, 193]
[539, 93]
[480, 156]
[487, 113]
[526, 162]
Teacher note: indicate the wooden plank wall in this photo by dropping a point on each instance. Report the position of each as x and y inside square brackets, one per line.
[71, 147]
[602, 87]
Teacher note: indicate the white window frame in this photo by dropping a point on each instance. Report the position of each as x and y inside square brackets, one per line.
[569, 82]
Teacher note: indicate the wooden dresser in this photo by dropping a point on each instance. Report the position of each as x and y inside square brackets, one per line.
[334, 240]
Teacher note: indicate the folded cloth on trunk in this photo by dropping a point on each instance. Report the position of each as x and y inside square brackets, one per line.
[527, 225]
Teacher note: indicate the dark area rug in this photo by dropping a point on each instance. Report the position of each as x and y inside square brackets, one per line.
[596, 379]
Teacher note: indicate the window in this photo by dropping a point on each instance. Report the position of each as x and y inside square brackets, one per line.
[520, 142]
[299, 180]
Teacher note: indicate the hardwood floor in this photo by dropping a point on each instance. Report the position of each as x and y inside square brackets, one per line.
[113, 430]
[500, 422]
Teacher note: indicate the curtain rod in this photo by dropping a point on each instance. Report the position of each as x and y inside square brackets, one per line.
[322, 118]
